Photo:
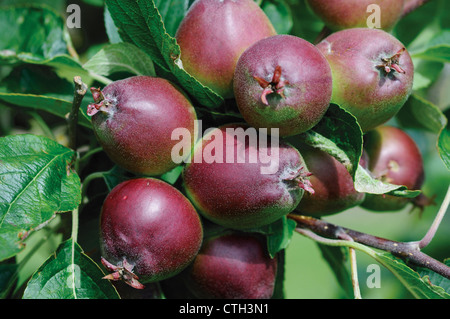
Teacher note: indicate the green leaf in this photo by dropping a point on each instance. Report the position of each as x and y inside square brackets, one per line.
[172, 13]
[115, 176]
[8, 276]
[436, 49]
[435, 279]
[172, 176]
[279, 14]
[336, 258]
[98, 3]
[419, 287]
[443, 143]
[31, 33]
[37, 35]
[69, 274]
[422, 114]
[425, 73]
[111, 29]
[140, 23]
[120, 57]
[365, 183]
[278, 234]
[36, 182]
[338, 134]
[56, 106]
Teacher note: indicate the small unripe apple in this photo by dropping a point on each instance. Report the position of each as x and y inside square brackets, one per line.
[232, 266]
[372, 74]
[133, 120]
[149, 231]
[213, 35]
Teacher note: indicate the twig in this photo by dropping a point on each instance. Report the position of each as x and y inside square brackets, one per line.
[407, 250]
[80, 91]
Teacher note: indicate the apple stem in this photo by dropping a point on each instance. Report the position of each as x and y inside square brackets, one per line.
[276, 85]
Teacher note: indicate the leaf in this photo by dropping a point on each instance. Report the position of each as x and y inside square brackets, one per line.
[31, 33]
[365, 183]
[140, 23]
[111, 29]
[336, 258]
[120, 57]
[421, 113]
[98, 3]
[338, 134]
[443, 143]
[425, 73]
[52, 105]
[278, 234]
[279, 14]
[419, 287]
[436, 49]
[172, 176]
[305, 23]
[69, 274]
[36, 35]
[36, 181]
[115, 176]
[172, 13]
[434, 278]
[8, 276]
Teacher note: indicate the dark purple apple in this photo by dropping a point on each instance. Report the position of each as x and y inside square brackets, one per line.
[149, 231]
[283, 82]
[232, 266]
[213, 35]
[345, 14]
[133, 120]
[372, 73]
[395, 158]
[334, 189]
[239, 182]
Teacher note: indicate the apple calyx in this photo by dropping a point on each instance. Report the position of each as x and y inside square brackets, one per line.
[276, 85]
[100, 102]
[301, 179]
[392, 63]
[123, 271]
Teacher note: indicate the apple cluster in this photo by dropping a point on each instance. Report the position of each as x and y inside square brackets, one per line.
[152, 230]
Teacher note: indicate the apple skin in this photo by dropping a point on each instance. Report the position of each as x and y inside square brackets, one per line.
[297, 89]
[232, 266]
[151, 225]
[239, 195]
[213, 35]
[134, 120]
[394, 157]
[334, 189]
[345, 14]
[364, 84]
